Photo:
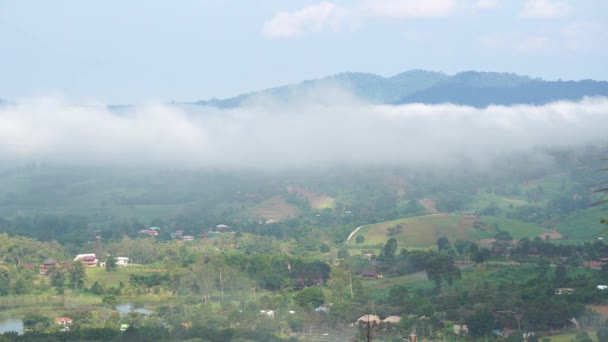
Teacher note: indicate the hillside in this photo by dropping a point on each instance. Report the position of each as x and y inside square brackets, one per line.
[471, 88]
[423, 231]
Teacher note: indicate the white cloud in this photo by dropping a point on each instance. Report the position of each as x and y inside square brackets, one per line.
[545, 9]
[515, 43]
[486, 4]
[328, 16]
[408, 9]
[311, 18]
[532, 44]
[327, 127]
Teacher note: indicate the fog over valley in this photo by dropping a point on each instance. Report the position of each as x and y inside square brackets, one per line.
[326, 127]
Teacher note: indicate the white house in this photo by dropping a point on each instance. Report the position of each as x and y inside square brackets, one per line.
[122, 261]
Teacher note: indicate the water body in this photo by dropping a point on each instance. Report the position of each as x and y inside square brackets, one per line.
[11, 324]
[125, 308]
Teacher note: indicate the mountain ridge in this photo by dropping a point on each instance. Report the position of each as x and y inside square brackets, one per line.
[470, 88]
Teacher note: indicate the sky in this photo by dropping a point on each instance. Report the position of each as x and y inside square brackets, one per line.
[143, 51]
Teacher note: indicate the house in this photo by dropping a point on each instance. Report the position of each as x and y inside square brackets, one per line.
[88, 260]
[269, 313]
[149, 232]
[460, 329]
[178, 234]
[63, 320]
[188, 238]
[564, 290]
[122, 261]
[593, 264]
[47, 264]
[222, 228]
[370, 274]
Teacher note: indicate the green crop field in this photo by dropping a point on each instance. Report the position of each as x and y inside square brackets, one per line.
[113, 279]
[423, 231]
[584, 224]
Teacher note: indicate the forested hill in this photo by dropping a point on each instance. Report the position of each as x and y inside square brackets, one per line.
[477, 89]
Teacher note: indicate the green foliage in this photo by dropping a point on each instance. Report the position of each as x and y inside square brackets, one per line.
[481, 323]
[390, 249]
[111, 264]
[77, 275]
[360, 239]
[311, 296]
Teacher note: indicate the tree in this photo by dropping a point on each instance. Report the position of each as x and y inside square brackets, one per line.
[111, 264]
[443, 244]
[390, 249]
[360, 239]
[481, 323]
[311, 295]
[77, 274]
[441, 267]
[602, 335]
[560, 275]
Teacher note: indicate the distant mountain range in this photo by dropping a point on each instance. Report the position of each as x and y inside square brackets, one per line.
[472, 88]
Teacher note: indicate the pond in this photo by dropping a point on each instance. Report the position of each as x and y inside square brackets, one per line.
[125, 308]
[11, 324]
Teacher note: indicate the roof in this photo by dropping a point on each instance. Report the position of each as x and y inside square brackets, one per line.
[61, 320]
[49, 262]
[82, 256]
[392, 319]
[369, 318]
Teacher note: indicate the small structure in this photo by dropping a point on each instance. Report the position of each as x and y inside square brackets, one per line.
[63, 320]
[122, 261]
[460, 329]
[370, 274]
[269, 313]
[188, 238]
[46, 265]
[564, 290]
[373, 319]
[595, 264]
[88, 260]
[124, 327]
[602, 287]
[149, 232]
[222, 228]
[392, 319]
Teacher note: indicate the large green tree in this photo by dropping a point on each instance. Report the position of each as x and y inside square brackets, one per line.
[77, 274]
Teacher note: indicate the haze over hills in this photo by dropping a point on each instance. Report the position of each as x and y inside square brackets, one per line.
[470, 88]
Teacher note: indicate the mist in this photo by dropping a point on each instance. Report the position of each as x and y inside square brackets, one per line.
[326, 127]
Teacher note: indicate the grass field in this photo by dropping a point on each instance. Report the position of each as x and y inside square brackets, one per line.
[113, 279]
[572, 337]
[423, 231]
[275, 208]
[584, 224]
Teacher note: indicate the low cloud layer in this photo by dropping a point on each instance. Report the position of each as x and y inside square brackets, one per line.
[324, 128]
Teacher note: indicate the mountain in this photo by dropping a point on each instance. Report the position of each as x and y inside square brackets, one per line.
[471, 88]
[481, 89]
[368, 87]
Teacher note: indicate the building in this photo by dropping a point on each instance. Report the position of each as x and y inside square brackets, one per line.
[47, 264]
[564, 290]
[88, 260]
[122, 261]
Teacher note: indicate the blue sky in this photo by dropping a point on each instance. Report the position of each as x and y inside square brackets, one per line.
[118, 51]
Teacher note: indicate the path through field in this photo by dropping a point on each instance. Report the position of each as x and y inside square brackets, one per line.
[413, 217]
